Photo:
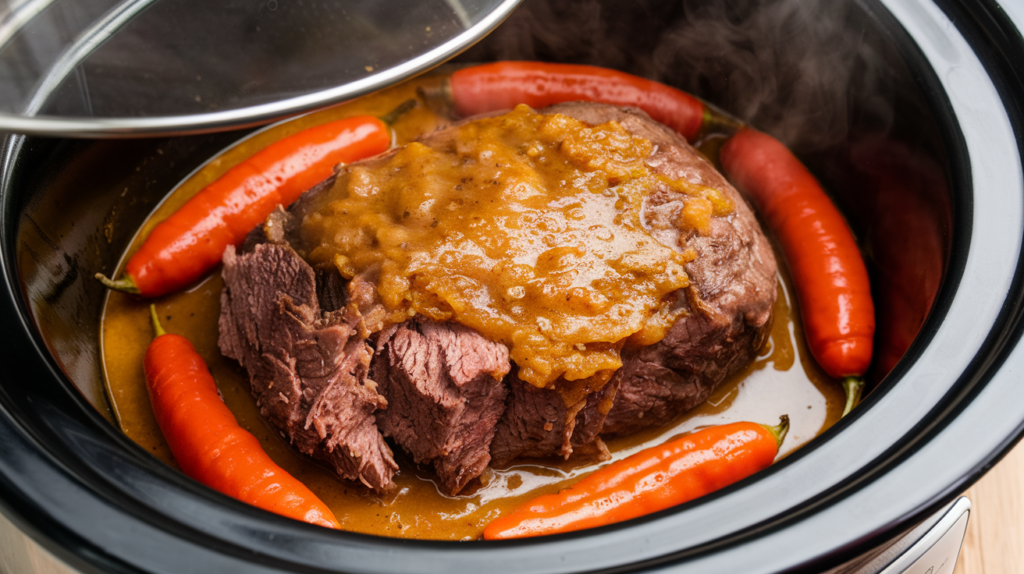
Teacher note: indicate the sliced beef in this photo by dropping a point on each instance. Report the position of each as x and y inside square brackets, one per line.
[538, 423]
[443, 383]
[308, 369]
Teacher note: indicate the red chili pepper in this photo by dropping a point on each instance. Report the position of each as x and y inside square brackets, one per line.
[828, 271]
[503, 85]
[206, 440]
[189, 243]
[653, 479]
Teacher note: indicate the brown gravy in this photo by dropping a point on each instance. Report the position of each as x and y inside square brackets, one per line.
[526, 227]
[783, 380]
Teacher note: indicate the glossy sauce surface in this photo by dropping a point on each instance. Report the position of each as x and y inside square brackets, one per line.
[782, 380]
[526, 227]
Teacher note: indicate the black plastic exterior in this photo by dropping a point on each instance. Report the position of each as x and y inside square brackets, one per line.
[72, 481]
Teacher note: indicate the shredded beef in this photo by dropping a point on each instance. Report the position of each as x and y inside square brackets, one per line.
[539, 424]
[444, 387]
[308, 369]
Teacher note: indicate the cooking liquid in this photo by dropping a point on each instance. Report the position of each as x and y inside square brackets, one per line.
[784, 379]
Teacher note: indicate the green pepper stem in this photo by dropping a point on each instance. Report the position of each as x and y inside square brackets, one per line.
[853, 386]
[779, 431]
[392, 116]
[156, 321]
[716, 121]
[438, 98]
[125, 285]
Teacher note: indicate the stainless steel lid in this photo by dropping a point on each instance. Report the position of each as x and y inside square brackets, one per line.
[102, 68]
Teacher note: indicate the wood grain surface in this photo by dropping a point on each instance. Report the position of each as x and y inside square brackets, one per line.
[994, 543]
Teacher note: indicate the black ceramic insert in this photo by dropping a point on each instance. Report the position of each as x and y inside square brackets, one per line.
[856, 87]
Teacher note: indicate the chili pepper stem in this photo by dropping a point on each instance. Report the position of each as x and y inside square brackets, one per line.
[779, 431]
[157, 328]
[392, 116]
[125, 285]
[716, 121]
[437, 98]
[853, 386]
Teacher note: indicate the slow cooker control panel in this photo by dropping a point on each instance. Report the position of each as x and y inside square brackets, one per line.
[936, 552]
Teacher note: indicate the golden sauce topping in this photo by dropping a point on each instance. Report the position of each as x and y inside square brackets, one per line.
[525, 227]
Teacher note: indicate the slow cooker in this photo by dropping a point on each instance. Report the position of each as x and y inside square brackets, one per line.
[909, 111]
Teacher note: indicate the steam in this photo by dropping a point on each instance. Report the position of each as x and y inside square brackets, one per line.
[788, 67]
[792, 68]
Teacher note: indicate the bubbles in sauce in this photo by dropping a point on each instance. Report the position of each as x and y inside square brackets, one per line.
[783, 380]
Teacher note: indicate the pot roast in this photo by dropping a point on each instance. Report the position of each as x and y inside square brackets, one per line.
[338, 371]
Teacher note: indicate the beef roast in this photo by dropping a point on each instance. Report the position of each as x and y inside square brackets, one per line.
[307, 368]
[729, 311]
[733, 287]
[444, 404]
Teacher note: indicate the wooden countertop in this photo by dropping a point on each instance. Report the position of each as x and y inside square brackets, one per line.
[994, 543]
